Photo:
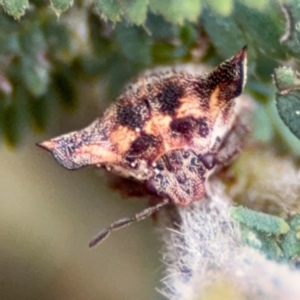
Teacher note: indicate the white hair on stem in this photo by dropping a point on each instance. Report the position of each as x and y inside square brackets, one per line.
[206, 254]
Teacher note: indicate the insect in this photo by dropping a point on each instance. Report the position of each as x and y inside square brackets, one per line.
[169, 130]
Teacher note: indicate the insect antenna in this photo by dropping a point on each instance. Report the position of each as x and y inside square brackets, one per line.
[102, 235]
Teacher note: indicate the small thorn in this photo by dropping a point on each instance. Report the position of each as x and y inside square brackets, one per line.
[47, 145]
[242, 53]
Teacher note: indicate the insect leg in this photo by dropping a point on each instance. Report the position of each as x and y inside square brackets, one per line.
[102, 235]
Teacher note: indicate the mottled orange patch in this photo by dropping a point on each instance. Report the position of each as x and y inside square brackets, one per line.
[123, 138]
[99, 154]
[190, 106]
[158, 124]
[214, 100]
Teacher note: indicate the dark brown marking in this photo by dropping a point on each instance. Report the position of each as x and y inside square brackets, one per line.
[203, 127]
[142, 144]
[133, 116]
[148, 105]
[169, 97]
[185, 126]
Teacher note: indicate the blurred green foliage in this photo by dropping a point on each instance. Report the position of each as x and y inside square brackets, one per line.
[289, 110]
[60, 6]
[261, 231]
[15, 8]
[260, 221]
[286, 80]
[275, 237]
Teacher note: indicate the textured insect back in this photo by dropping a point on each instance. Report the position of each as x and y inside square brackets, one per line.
[165, 131]
[202, 131]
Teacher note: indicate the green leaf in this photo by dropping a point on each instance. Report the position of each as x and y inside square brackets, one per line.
[135, 11]
[295, 222]
[15, 8]
[160, 29]
[109, 9]
[265, 244]
[32, 40]
[35, 76]
[188, 34]
[269, 247]
[286, 138]
[223, 7]
[14, 116]
[118, 73]
[290, 244]
[223, 32]
[286, 79]
[39, 109]
[57, 37]
[259, 221]
[9, 43]
[177, 11]
[64, 86]
[164, 53]
[262, 125]
[288, 107]
[259, 5]
[251, 238]
[263, 28]
[133, 43]
[100, 40]
[10, 123]
[291, 36]
[264, 67]
[60, 6]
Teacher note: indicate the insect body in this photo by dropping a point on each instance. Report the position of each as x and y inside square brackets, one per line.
[166, 130]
